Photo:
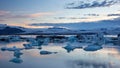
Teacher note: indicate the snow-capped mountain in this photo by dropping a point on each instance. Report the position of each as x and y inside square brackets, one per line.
[114, 23]
[5, 29]
[105, 26]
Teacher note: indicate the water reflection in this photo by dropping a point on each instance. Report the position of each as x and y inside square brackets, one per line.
[93, 48]
[17, 57]
[16, 60]
[16, 53]
[87, 64]
[46, 54]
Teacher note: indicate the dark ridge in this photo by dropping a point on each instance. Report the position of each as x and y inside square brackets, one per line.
[10, 30]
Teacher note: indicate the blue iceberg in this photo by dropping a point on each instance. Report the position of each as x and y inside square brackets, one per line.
[14, 48]
[93, 48]
[16, 60]
[47, 52]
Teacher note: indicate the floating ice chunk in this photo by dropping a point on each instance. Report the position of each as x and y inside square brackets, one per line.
[39, 48]
[3, 48]
[16, 60]
[47, 52]
[93, 48]
[14, 38]
[71, 46]
[27, 46]
[14, 48]
[30, 46]
[46, 41]
[17, 54]
[33, 42]
[72, 39]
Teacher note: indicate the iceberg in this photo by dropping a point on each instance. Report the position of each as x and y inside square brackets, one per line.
[14, 48]
[72, 39]
[32, 41]
[47, 52]
[3, 48]
[17, 54]
[93, 48]
[16, 60]
[71, 46]
[27, 46]
[14, 38]
[46, 41]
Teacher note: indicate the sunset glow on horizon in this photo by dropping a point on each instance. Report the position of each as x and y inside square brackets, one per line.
[24, 12]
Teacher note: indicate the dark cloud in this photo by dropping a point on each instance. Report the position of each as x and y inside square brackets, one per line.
[91, 15]
[113, 15]
[60, 17]
[93, 4]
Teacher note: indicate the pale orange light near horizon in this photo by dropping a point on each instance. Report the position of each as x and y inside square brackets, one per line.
[89, 19]
[27, 26]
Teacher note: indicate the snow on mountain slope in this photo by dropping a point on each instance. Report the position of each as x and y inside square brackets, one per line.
[106, 26]
[114, 23]
[2, 26]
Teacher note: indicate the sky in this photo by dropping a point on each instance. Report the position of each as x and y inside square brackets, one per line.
[24, 12]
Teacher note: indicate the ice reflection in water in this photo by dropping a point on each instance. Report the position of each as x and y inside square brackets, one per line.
[77, 58]
[17, 58]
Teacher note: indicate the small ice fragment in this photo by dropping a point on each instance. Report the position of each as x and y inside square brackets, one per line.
[27, 46]
[14, 48]
[46, 52]
[16, 60]
[92, 48]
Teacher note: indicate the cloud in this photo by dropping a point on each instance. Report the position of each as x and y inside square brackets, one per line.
[34, 15]
[40, 14]
[113, 15]
[71, 18]
[2, 13]
[91, 15]
[84, 25]
[2, 20]
[8, 14]
[88, 4]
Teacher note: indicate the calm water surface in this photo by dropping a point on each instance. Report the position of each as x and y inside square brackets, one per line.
[108, 57]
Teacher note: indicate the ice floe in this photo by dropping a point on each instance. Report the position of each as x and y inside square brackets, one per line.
[14, 48]
[16, 60]
[47, 52]
[93, 48]
[71, 46]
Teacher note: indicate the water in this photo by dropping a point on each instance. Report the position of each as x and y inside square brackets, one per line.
[108, 57]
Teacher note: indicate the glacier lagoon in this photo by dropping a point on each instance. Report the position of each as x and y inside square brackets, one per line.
[58, 55]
